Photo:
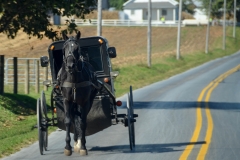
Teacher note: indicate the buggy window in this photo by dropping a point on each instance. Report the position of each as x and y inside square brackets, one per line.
[57, 61]
[93, 55]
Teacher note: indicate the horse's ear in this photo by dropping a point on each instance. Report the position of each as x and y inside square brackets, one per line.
[78, 35]
[65, 37]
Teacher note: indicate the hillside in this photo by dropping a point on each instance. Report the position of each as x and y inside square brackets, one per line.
[130, 42]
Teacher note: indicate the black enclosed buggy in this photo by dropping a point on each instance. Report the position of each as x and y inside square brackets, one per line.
[103, 112]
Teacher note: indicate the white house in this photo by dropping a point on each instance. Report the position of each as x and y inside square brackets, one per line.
[138, 9]
[200, 14]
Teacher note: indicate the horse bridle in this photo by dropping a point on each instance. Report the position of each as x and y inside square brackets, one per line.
[70, 53]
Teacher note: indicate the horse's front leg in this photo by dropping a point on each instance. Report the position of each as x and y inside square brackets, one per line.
[80, 126]
[83, 125]
[67, 110]
[77, 129]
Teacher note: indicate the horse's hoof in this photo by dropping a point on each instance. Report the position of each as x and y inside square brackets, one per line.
[83, 152]
[67, 152]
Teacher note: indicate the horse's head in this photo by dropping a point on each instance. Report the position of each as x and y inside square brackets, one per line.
[72, 54]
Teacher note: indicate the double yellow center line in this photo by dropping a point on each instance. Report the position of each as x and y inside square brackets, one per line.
[208, 90]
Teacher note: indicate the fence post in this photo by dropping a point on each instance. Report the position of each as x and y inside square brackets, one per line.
[6, 71]
[15, 75]
[45, 77]
[1, 74]
[27, 77]
[37, 77]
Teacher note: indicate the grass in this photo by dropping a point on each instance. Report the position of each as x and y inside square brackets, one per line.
[17, 111]
[141, 75]
[17, 121]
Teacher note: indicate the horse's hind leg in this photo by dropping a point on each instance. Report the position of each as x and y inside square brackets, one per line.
[68, 148]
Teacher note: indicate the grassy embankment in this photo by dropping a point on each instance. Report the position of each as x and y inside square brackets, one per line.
[167, 66]
[17, 112]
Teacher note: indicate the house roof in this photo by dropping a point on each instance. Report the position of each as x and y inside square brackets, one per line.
[143, 4]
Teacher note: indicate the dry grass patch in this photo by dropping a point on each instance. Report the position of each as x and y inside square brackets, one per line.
[105, 15]
[130, 42]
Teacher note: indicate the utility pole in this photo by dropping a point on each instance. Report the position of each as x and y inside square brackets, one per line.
[99, 25]
[149, 32]
[208, 27]
[179, 29]
[224, 26]
[234, 19]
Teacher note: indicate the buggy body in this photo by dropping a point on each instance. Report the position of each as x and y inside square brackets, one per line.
[103, 111]
[95, 50]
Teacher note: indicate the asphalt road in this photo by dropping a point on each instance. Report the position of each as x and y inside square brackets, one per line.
[179, 118]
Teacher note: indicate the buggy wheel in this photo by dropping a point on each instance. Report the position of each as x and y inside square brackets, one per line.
[43, 107]
[131, 121]
[40, 133]
[132, 116]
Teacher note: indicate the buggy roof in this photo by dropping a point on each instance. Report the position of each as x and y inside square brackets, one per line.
[87, 41]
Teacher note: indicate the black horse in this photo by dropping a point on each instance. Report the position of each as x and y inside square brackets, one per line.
[77, 86]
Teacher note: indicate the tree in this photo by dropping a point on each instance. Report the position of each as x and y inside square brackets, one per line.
[217, 6]
[32, 16]
[188, 6]
[118, 4]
